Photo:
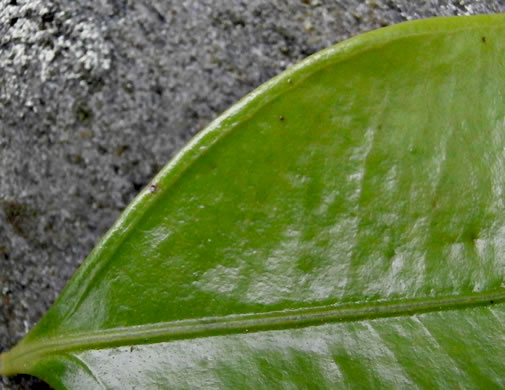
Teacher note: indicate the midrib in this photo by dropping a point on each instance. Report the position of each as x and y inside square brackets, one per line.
[233, 324]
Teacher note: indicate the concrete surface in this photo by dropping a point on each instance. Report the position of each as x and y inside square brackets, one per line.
[96, 96]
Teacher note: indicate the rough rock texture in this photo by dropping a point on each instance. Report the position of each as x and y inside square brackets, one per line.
[95, 96]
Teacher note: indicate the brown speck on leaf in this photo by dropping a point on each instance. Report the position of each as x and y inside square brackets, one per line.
[483, 39]
[153, 188]
[281, 118]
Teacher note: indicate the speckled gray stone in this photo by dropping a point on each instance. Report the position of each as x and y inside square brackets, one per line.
[96, 96]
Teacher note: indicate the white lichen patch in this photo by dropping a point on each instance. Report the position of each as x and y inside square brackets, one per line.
[41, 39]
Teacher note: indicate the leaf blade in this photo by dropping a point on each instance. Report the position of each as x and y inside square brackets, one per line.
[327, 186]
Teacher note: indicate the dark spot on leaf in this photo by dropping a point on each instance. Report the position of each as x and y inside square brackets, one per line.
[307, 263]
[390, 253]
[281, 118]
[483, 39]
[471, 234]
[153, 188]
[491, 301]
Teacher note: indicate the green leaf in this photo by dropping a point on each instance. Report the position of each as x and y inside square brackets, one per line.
[341, 226]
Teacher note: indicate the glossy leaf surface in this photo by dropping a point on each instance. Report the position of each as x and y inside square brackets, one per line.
[341, 226]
